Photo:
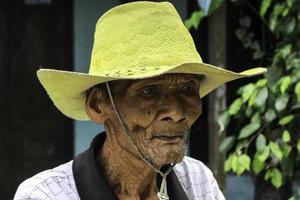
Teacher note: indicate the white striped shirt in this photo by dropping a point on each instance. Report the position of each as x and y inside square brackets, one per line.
[58, 183]
[83, 179]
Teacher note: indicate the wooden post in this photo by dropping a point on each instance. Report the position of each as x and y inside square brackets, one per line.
[217, 99]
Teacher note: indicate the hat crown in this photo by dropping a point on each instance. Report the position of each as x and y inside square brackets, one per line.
[140, 37]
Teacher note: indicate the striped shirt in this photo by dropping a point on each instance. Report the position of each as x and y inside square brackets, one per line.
[194, 181]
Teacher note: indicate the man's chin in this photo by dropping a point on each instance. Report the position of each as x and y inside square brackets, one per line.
[172, 160]
[165, 158]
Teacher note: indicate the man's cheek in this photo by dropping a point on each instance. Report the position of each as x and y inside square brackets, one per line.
[144, 117]
[195, 113]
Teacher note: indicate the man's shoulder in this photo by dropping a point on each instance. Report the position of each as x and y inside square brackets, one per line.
[192, 166]
[55, 183]
[197, 180]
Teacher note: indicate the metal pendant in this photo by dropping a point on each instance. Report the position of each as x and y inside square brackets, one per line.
[163, 193]
[162, 196]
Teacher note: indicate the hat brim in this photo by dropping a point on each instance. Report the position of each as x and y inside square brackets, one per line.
[68, 89]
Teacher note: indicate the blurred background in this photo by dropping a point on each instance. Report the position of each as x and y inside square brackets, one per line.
[235, 35]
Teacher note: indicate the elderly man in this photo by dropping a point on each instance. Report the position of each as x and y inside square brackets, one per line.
[145, 84]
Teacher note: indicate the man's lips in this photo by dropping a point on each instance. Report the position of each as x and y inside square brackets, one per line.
[168, 138]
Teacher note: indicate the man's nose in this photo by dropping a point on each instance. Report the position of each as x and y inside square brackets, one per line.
[172, 109]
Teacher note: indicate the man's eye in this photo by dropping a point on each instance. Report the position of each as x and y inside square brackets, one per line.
[149, 91]
[188, 90]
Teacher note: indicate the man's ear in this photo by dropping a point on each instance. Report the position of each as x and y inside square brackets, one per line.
[95, 106]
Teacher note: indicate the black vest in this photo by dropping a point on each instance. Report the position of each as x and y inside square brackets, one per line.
[91, 183]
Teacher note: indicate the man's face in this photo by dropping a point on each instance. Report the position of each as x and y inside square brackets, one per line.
[158, 113]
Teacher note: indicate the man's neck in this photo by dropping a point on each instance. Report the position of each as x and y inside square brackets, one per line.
[128, 175]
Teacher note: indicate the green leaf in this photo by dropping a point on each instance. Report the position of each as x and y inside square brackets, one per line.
[273, 22]
[228, 163]
[240, 163]
[227, 143]
[257, 165]
[188, 23]
[262, 156]
[270, 115]
[276, 151]
[195, 19]
[286, 50]
[240, 33]
[298, 146]
[256, 118]
[279, 9]
[286, 150]
[289, 26]
[248, 130]
[255, 46]
[262, 97]
[245, 162]
[258, 54]
[248, 40]
[297, 91]
[248, 91]
[245, 159]
[286, 137]
[295, 106]
[240, 90]
[240, 145]
[252, 99]
[293, 62]
[235, 106]
[264, 7]
[268, 174]
[223, 121]
[275, 175]
[273, 75]
[285, 12]
[285, 83]
[285, 120]
[290, 2]
[288, 166]
[214, 5]
[276, 178]
[234, 163]
[281, 102]
[261, 142]
[261, 82]
[249, 111]
[245, 21]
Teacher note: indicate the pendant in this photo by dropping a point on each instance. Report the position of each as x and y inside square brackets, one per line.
[162, 196]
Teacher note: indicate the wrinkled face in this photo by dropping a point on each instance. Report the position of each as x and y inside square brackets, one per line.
[158, 113]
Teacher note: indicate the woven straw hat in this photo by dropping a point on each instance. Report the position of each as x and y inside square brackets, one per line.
[134, 41]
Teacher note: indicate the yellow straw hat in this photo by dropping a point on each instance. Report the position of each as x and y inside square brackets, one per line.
[134, 41]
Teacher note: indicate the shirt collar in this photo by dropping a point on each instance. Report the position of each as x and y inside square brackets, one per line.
[92, 184]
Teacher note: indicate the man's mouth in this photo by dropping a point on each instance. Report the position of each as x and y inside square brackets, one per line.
[168, 138]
